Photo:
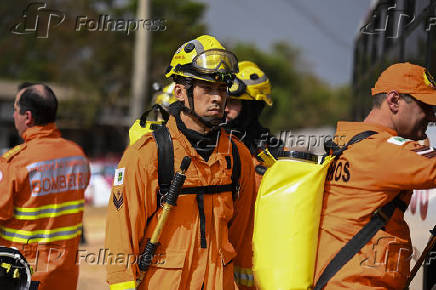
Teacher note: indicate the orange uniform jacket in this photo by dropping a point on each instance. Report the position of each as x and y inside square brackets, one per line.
[367, 176]
[257, 176]
[243, 272]
[41, 204]
[180, 262]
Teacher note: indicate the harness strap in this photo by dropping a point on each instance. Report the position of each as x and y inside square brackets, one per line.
[207, 189]
[332, 148]
[166, 172]
[165, 156]
[165, 159]
[200, 203]
[236, 171]
[214, 189]
[378, 220]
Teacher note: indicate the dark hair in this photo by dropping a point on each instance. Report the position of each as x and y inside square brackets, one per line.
[182, 80]
[25, 85]
[378, 99]
[408, 98]
[42, 103]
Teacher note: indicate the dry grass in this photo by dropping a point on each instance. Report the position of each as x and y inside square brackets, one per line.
[93, 277]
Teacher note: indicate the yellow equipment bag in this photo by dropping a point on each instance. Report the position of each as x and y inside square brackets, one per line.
[287, 215]
[137, 131]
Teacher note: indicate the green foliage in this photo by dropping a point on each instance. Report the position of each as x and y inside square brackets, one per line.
[98, 64]
[183, 19]
[299, 98]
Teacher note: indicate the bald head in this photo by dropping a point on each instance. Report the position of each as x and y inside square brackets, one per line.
[40, 100]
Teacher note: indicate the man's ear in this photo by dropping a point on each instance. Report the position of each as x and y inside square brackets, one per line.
[393, 101]
[29, 122]
[179, 92]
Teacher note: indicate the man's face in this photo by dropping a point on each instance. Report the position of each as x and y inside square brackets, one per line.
[209, 99]
[19, 119]
[413, 119]
[233, 109]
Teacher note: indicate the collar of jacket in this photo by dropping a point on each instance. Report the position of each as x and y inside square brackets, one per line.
[346, 130]
[36, 132]
[223, 149]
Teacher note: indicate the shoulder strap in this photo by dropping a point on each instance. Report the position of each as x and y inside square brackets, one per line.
[332, 148]
[165, 158]
[166, 168]
[378, 220]
[236, 170]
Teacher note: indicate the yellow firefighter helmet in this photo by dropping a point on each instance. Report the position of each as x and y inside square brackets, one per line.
[251, 84]
[165, 97]
[203, 58]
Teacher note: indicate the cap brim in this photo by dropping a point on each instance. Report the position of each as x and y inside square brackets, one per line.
[429, 99]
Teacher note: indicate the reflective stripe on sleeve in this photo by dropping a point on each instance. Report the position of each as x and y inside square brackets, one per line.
[47, 211]
[243, 276]
[129, 285]
[45, 236]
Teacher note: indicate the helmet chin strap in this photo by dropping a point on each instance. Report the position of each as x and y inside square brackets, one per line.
[209, 122]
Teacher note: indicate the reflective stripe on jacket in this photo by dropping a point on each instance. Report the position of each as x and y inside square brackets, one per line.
[180, 262]
[41, 205]
[368, 175]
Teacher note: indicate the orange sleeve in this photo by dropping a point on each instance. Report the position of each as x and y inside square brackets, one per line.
[406, 166]
[127, 214]
[241, 229]
[6, 191]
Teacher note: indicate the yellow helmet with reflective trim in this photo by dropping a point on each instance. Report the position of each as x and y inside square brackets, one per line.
[203, 58]
[251, 84]
[165, 97]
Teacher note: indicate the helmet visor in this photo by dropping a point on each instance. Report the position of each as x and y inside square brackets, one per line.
[216, 60]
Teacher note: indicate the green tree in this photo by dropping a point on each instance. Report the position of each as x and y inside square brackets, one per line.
[300, 99]
[97, 64]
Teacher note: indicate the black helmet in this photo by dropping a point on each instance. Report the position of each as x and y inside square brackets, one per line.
[15, 273]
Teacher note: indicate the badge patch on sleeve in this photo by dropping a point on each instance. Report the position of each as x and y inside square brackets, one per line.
[396, 140]
[119, 176]
[118, 200]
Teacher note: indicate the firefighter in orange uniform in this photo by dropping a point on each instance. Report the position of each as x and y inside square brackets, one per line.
[42, 192]
[383, 168]
[250, 92]
[203, 236]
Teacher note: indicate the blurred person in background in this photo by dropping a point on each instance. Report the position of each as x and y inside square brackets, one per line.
[156, 116]
[249, 94]
[164, 97]
[42, 194]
